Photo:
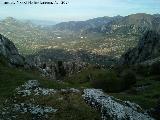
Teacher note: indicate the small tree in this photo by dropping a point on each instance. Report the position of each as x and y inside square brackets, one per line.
[61, 69]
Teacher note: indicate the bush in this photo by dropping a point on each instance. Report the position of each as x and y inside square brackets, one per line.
[61, 69]
[128, 78]
[3, 61]
[109, 81]
[155, 68]
[142, 70]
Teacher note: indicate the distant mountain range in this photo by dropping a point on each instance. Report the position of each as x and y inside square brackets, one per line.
[80, 26]
[132, 24]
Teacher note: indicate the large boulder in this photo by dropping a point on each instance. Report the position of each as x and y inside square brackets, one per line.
[9, 51]
[112, 108]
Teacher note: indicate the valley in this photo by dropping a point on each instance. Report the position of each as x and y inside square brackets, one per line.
[98, 69]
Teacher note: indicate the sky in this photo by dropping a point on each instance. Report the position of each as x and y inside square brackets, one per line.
[77, 9]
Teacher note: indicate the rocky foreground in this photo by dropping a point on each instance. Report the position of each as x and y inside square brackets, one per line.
[112, 108]
[30, 90]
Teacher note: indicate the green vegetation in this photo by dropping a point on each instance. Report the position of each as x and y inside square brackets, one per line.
[139, 84]
[134, 83]
[3, 61]
[146, 90]
[108, 80]
[155, 68]
[71, 107]
[10, 78]
[124, 82]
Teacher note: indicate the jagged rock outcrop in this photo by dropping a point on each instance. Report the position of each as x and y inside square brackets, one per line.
[8, 50]
[58, 70]
[112, 108]
[147, 48]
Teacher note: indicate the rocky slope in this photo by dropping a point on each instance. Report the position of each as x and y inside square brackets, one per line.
[9, 51]
[148, 48]
[26, 102]
[112, 108]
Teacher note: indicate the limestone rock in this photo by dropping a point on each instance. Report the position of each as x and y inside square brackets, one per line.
[112, 108]
[32, 87]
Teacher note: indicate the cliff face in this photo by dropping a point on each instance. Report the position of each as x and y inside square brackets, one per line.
[147, 48]
[8, 50]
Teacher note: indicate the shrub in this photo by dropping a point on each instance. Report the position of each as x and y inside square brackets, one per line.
[155, 68]
[61, 69]
[142, 70]
[128, 78]
[108, 81]
[3, 60]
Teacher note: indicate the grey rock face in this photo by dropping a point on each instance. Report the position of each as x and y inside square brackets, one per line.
[29, 91]
[58, 70]
[33, 109]
[8, 50]
[148, 48]
[31, 87]
[112, 108]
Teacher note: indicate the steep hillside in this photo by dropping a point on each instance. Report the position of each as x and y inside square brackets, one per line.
[148, 48]
[10, 52]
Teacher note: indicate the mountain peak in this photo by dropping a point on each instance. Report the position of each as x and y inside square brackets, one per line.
[10, 19]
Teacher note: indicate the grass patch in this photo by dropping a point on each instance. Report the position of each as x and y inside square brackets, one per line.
[146, 98]
[71, 107]
[108, 80]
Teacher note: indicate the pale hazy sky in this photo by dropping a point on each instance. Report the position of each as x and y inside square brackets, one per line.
[79, 9]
